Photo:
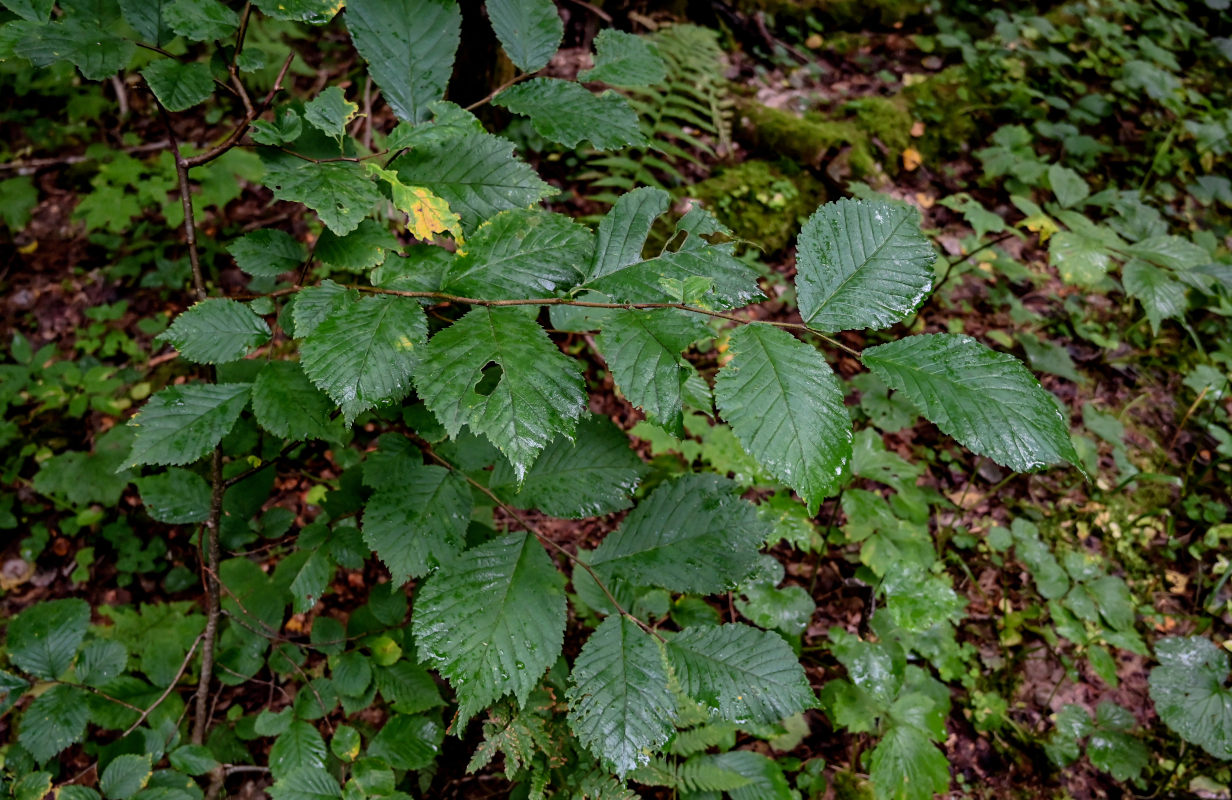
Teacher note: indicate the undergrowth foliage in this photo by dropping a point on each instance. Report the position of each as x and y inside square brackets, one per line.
[449, 348]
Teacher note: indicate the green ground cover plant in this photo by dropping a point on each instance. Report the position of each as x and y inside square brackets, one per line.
[374, 431]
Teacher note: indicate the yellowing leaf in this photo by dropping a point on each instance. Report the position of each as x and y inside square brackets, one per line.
[427, 214]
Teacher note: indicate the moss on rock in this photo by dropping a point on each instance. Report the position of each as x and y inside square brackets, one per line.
[760, 201]
[942, 101]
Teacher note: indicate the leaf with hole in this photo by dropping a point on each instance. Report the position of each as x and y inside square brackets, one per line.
[497, 372]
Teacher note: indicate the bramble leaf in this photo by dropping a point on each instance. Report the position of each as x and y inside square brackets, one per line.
[691, 534]
[747, 674]
[986, 400]
[1161, 295]
[126, 775]
[620, 707]
[362, 354]
[216, 331]
[566, 112]
[182, 423]
[97, 53]
[1191, 695]
[43, 639]
[201, 20]
[492, 621]
[786, 408]
[537, 394]
[55, 720]
[409, 46]
[529, 30]
[862, 264]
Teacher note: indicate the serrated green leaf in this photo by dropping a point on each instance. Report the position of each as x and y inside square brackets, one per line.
[330, 112]
[1112, 748]
[179, 86]
[906, 766]
[592, 475]
[537, 398]
[624, 228]
[182, 423]
[1191, 694]
[310, 306]
[746, 674]
[125, 776]
[409, 46]
[285, 127]
[97, 53]
[566, 112]
[1161, 295]
[528, 30]
[862, 264]
[1173, 252]
[786, 408]
[361, 249]
[986, 400]
[149, 19]
[420, 524]
[216, 331]
[56, 719]
[201, 20]
[43, 639]
[32, 10]
[311, 581]
[267, 253]
[1067, 185]
[732, 282]
[176, 496]
[11, 688]
[521, 253]
[1081, 260]
[643, 351]
[35, 786]
[492, 621]
[622, 59]
[100, 662]
[315, 12]
[765, 778]
[340, 192]
[193, 759]
[286, 403]
[407, 742]
[362, 355]
[312, 783]
[476, 173]
[620, 707]
[691, 534]
[917, 600]
[297, 749]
